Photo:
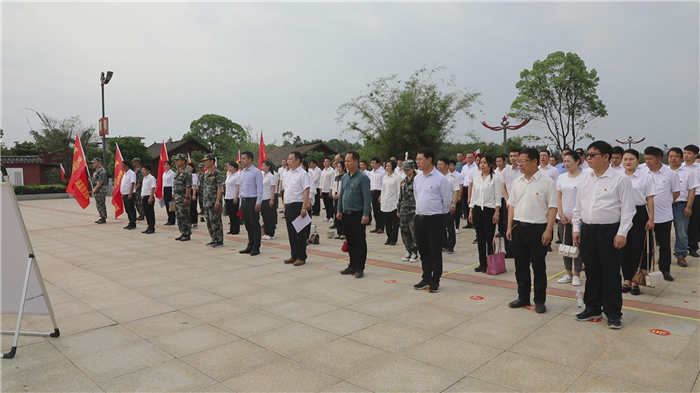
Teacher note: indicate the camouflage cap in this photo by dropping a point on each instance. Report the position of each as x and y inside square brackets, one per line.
[201, 165]
[136, 159]
[409, 164]
[180, 157]
[210, 156]
[94, 160]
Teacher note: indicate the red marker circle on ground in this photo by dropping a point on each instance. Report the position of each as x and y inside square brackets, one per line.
[685, 301]
[389, 281]
[594, 320]
[171, 237]
[476, 297]
[322, 267]
[694, 291]
[274, 257]
[529, 307]
[232, 249]
[660, 332]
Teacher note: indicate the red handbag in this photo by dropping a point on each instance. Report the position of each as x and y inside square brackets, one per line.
[344, 248]
[496, 262]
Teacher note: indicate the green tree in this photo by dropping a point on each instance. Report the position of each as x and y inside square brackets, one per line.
[561, 93]
[58, 135]
[197, 157]
[396, 116]
[130, 148]
[26, 149]
[316, 156]
[219, 133]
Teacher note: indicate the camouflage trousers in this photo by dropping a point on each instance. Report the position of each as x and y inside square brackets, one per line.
[138, 204]
[214, 225]
[182, 213]
[100, 202]
[408, 232]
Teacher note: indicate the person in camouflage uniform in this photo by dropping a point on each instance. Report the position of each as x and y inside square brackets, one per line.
[138, 203]
[200, 191]
[182, 186]
[99, 190]
[407, 212]
[212, 198]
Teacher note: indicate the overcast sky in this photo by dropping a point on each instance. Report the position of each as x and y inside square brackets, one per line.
[280, 67]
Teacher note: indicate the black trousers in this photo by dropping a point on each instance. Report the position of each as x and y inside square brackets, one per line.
[450, 237]
[130, 208]
[317, 203]
[694, 225]
[234, 221]
[503, 217]
[458, 213]
[356, 236]
[378, 217]
[634, 249]
[391, 222]
[269, 216]
[508, 243]
[149, 212]
[193, 212]
[337, 223]
[430, 235]
[168, 197]
[328, 205]
[485, 228]
[602, 259]
[662, 233]
[251, 220]
[297, 240]
[465, 203]
[528, 250]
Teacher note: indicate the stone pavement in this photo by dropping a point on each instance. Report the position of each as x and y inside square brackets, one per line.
[146, 313]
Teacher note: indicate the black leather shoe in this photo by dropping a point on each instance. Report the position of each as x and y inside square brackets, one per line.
[247, 250]
[179, 237]
[103, 221]
[348, 271]
[359, 274]
[127, 227]
[625, 288]
[422, 284]
[146, 231]
[693, 253]
[667, 276]
[587, 315]
[634, 291]
[386, 243]
[517, 303]
[210, 243]
[184, 238]
[140, 218]
[540, 308]
[480, 269]
[256, 251]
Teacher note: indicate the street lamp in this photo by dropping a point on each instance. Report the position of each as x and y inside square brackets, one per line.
[104, 125]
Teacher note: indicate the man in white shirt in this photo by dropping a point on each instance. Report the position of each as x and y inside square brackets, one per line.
[433, 200]
[148, 193]
[327, 178]
[683, 206]
[457, 215]
[450, 240]
[284, 167]
[315, 173]
[501, 163]
[690, 155]
[547, 169]
[601, 219]
[127, 188]
[375, 185]
[466, 172]
[531, 214]
[616, 159]
[668, 189]
[297, 203]
[510, 173]
[168, 176]
[250, 192]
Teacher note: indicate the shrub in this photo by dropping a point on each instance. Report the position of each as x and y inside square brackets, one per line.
[42, 189]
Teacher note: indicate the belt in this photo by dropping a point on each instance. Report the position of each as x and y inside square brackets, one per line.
[248, 198]
[602, 226]
[293, 203]
[527, 224]
[678, 203]
[350, 212]
[424, 216]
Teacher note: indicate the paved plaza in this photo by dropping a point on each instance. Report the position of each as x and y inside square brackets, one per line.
[147, 313]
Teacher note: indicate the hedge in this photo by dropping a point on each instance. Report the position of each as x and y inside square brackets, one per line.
[46, 189]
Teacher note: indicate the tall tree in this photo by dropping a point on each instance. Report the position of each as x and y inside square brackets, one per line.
[58, 135]
[396, 116]
[219, 133]
[130, 148]
[561, 93]
[26, 149]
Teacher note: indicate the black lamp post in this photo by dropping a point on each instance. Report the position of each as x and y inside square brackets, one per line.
[104, 79]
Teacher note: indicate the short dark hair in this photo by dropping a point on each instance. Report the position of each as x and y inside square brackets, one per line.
[503, 157]
[427, 153]
[233, 164]
[375, 159]
[603, 147]
[460, 152]
[565, 149]
[514, 150]
[393, 164]
[580, 150]
[692, 148]
[191, 165]
[654, 151]
[675, 150]
[633, 152]
[126, 163]
[618, 150]
[532, 154]
[546, 151]
[167, 162]
[452, 162]
[146, 167]
[444, 160]
[355, 156]
[297, 155]
[248, 154]
[575, 156]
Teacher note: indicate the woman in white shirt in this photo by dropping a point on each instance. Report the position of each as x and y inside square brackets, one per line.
[567, 186]
[485, 195]
[269, 214]
[389, 201]
[335, 194]
[231, 198]
[643, 221]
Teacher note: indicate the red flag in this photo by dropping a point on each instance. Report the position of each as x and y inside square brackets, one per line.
[78, 184]
[161, 170]
[262, 153]
[63, 173]
[117, 200]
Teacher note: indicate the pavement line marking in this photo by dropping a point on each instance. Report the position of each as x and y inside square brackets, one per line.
[554, 276]
[460, 269]
[380, 267]
[637, 309]
[382, 250]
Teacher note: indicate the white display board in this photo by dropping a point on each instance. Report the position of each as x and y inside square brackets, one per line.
[14, 257]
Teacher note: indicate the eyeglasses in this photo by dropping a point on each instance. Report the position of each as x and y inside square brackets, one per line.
[523, 161]
[591, 155]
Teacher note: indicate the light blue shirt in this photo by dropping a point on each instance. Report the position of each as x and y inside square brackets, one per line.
[251, 181]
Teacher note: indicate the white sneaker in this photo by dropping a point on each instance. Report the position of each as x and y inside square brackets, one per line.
[456, 230]
[577, 281]
[406, 257]
[331, 219]
[270, 238]
[565, 280]
[414, 258]
[265, 237]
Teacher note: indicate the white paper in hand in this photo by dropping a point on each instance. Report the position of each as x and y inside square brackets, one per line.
[161, 202]
[300, 222]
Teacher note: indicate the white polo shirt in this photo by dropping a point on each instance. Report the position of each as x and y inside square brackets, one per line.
[688, 179]
[533, 198]
[509, 175]
[643, 186]
[295, 182]
[128, 178]
[467, 171]
[149, 183]
[375, 179]
[433, 193]
[550, 171]
[696, 168]
[606, 199]
[667, 182]
[327, 177]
